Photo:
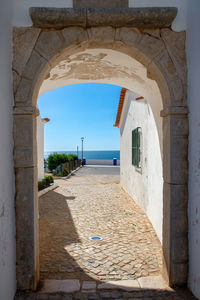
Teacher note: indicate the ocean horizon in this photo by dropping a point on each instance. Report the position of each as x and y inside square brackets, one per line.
[90, 154]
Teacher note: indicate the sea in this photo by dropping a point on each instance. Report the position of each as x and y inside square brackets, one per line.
[91, 154]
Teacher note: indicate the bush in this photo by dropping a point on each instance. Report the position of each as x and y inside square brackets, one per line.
[72, 156]
[49, 179]
[65, 172]
[58, 174]
[45, 182]
[56, 159]
[40, 185]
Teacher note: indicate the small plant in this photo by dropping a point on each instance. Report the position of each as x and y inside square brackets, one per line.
[58, 174]
[40, 185]
[45, 182]
[65, 172]
[49, 179]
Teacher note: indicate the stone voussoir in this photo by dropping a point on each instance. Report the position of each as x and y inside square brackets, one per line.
[34, 65]
[74, 35]
[49, 43]
[101, 33]
[24, 40]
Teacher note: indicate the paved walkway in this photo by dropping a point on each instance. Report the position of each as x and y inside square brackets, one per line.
[92, 203]
[123, 265]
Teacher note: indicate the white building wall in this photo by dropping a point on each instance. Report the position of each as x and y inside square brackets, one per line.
[7, 215]
[40, 147]
[145, 185]
[193, 60]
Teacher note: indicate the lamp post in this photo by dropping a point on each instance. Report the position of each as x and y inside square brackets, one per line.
[82, 139]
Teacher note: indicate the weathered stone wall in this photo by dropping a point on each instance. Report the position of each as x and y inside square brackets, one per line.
[162, 52]
[7, 181]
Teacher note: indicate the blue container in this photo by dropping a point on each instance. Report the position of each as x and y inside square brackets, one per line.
[114, 162]
[84, 161]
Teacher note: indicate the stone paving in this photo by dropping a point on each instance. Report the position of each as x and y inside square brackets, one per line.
[73, 267]
[92, 203]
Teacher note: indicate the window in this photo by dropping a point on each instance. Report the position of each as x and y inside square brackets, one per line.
[136, 134]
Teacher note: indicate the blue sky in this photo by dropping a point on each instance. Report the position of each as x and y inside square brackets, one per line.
[87, 110]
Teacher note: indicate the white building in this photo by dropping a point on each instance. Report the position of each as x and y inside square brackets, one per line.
[140, 156]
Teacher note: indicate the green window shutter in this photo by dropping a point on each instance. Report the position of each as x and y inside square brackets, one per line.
[136, 147]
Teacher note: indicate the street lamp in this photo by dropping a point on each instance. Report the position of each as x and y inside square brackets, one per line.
[82, 139]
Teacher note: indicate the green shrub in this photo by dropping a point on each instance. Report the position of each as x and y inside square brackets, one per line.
[58, 174]
[49, 179]
[45, 182]
[40, 185]
[65, 172]
[56, 159]
[72, 156]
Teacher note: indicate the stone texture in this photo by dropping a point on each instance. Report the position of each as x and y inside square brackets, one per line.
[179, 273]
[60, 286]
[33, 66]
[175, 44]
[100, 4]
[58, 18]
[130, 36]
[151, 17]
[89, 286]
[45, 17]
[24, 40]
[23, 131]
[23, 157]
[177, 171]
[49, 43]
[150, 46]
[74, 35]
[152, 282]
[129, 249]
[16, 80]
[101, 33]
[23, 94]
[125, 285]
[25, 201]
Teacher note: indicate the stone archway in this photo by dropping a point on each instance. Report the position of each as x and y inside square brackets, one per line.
[162, 52]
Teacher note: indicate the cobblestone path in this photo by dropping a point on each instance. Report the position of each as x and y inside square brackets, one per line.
[92, 203]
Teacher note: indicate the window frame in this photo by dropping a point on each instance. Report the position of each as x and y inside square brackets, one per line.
[136, 147]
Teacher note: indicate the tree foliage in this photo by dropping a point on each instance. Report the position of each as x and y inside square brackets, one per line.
[56, 159]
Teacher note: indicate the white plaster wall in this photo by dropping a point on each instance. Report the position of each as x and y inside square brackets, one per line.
[180, 22]
[7, 215]
[145, 185]
[193, 59]
[21, 16]
[40, 147]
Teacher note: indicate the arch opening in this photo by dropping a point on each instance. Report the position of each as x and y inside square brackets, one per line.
[135, 58]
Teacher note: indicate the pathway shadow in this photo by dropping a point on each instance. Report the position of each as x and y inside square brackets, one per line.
[57, 230]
